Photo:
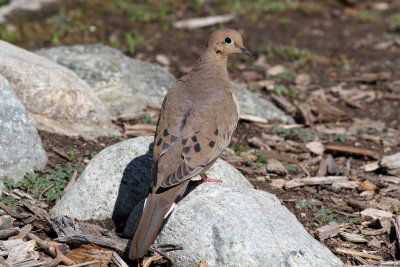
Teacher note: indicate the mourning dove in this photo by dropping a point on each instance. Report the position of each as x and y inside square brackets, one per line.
[196, 122]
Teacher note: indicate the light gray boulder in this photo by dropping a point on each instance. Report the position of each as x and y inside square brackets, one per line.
[55, 97]
[118, 178]
[127, 85]
[21, 149]
[239, 227]
[123, 84]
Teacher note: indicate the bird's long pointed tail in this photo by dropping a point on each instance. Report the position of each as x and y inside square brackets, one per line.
[157, 208]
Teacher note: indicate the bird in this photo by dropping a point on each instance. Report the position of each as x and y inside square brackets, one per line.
[196, 122]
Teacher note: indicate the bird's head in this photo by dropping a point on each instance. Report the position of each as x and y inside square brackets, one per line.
[227, 42]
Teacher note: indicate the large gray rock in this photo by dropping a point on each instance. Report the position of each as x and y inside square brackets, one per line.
[124, 85]
[239, 227]
[55, 97]
[118, 178]
[127, 85]
[21, 149]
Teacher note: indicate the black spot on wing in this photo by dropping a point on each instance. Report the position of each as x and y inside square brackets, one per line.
[194, 138]
[184, 141]
[216, 132]
[159, 142]
[186, 149]
[197, 147]
[211, 144]
[165, 132]
[173, 138]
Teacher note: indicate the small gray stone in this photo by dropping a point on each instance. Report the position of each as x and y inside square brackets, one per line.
[21, 149]
[56, 98]
[127, 86]
[119, 177]
[275, 166]
[239, 227]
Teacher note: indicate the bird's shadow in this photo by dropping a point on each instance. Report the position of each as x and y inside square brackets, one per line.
[134, 187]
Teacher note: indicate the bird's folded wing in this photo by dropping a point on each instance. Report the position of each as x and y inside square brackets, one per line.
[185, 145]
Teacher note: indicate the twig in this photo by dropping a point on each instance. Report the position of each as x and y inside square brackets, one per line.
[202, 22]
[72, 181]
[117, 260]
[252, 118]
[44, 244]
[84, 263]
[314, 181]
[304, 170]
[44, 191]
[353, 150]
[60, 152]
[12, 213]
[23, 232]
[358, 253]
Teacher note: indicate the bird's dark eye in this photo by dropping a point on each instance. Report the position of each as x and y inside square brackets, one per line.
[228, 40]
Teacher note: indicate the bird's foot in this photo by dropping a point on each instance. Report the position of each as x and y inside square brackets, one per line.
[205, 179]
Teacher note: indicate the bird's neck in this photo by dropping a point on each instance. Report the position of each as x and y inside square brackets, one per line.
[213, 64]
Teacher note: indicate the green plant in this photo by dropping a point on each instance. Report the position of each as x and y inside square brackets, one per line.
[288, 91]
[239, 149]
[395, 23]
[8, 34]
[4, 2]
[133, 40]
[261, 158]
[366, 15]
[275, 6]
[324, 214]
[147, 119]
[290, 53]
[352, 221]
[306, 135]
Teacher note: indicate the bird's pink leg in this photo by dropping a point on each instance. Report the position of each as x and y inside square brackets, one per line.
[205, 179]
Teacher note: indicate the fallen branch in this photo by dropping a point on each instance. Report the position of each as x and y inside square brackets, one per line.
[69, 231]
[353, 151]
[9, 232]
[314, 181]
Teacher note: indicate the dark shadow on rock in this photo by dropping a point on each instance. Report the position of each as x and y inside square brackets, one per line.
[134, 187]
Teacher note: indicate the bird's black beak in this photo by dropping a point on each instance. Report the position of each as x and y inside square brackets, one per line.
[245, 51]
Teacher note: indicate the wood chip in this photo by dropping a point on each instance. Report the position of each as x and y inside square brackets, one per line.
[314, 181]
[354, 238]
[370, 167]
[368, 186]
[327, 231]
[391, 162]
[6, 222]
[9, 232]
[353, 151]
[358, 253]
[376, 213]
[315, 147]
[203, 22]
